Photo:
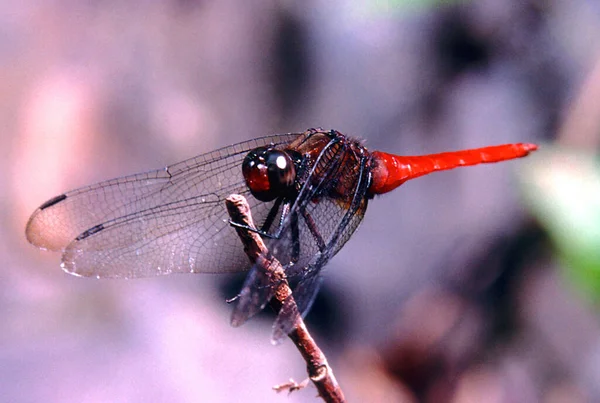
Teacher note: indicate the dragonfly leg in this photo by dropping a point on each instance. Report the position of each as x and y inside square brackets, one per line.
[284, 214]
[253, 229]
[264, 231]
[272, 214]
[312, 226]
[295, 239]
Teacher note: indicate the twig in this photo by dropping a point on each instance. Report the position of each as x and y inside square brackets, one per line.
[319, 371]
[291, 386]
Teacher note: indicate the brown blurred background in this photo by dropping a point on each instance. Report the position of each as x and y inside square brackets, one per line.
[448, 292]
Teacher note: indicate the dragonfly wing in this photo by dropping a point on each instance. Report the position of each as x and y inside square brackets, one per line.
[299, 304]
[255, 294]
[159, 222]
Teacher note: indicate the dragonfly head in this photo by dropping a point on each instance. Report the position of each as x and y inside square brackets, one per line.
[269, 173]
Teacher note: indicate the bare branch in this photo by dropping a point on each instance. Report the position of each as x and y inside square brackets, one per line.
[319, 371]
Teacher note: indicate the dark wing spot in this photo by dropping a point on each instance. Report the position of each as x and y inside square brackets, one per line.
[90, 232]
[53, 201]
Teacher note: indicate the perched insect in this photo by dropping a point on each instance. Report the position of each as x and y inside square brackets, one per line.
[308, 193]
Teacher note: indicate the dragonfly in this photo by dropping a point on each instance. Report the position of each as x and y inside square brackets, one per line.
[308, 193]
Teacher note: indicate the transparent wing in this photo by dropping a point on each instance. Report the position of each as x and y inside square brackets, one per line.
[164, 221]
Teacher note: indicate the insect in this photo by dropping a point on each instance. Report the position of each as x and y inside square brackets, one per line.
[308, 193]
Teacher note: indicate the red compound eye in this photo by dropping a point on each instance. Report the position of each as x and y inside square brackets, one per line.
[269, 173]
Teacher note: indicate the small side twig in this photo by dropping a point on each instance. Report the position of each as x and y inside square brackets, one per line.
[319, 371]
[291, 386]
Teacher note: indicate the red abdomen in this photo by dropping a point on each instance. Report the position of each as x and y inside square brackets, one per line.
[390, 171]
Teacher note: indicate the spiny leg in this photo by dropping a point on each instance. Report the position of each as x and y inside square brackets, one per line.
[295, 238]
[312, 226]
[264, 231]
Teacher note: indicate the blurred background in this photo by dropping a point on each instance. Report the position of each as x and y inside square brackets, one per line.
[475, 285]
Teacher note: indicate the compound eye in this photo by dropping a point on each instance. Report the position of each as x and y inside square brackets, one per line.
[269, 173]
[281, 170]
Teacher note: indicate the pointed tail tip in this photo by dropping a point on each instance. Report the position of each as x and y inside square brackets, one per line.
[529, 147]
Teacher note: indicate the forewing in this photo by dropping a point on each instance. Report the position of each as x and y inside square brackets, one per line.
[159, 222]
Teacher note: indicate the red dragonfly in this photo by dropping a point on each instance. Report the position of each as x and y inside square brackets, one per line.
[308, 193]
